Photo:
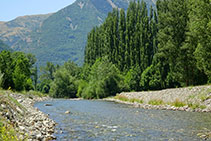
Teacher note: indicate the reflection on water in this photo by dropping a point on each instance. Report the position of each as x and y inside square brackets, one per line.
[101, 120]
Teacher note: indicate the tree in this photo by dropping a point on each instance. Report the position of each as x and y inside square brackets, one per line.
[22, 73]
[64, 85]
[200, 33]
[6, 68]
[46, 77]
[122, 28]
[172, 16]
[34, 73]
[132, 79]
[65, 81]
[104, 80]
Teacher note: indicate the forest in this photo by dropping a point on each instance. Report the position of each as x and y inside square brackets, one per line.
[133, 50]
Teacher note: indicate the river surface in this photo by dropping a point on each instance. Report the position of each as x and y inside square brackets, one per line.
[102, 120]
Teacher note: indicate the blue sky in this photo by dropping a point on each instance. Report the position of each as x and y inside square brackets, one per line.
[10, 9]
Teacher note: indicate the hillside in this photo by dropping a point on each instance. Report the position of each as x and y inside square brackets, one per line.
[20, 28]
[62, 35]
[3, 46]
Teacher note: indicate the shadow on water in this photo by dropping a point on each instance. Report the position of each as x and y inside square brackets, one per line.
[101, 120]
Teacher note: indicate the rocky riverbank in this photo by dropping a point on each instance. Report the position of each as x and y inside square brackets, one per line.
[29, 122]
[193, 99]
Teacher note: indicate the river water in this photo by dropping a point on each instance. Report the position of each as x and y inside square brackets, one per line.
[102, 120]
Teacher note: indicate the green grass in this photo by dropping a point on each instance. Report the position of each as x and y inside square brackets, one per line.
[156, 102]
[35, 93]
[178, 103]
[132, 100]
[7, 133]
[196, 106]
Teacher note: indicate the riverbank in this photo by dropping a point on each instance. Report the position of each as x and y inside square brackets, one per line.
[17, 111]
[192, 99]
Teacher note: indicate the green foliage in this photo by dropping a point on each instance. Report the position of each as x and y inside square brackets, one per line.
[21, 74]
[156, 102]
[63, 85]
[104, 80]
[151, 78]
[65, 81]
[81, 87]
[196, 106]
[7, 133]
[46, 77]
[132, 79]
[132, 100]
[178, 103]
[121, 97]
[127, 40]
[16, 68]
[7, 69]
[154, 50]
[200, 33]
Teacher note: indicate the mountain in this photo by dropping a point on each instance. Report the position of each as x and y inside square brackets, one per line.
[20, 28]
[3, 46]
[62, 35]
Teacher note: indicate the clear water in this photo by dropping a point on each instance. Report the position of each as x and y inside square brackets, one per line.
[101, 120]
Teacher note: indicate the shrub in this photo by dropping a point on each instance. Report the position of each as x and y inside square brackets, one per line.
[178, 103]
[156, 102]
[104, 80]
[7, 133]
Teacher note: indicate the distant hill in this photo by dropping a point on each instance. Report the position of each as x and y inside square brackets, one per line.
[60, 36]
[20, 28]
[3, 46]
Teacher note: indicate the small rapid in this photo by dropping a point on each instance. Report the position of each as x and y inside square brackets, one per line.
[103, 120]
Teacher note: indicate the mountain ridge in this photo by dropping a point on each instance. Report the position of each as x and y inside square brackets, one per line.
[62, 35]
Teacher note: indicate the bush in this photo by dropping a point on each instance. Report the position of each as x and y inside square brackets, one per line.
[81, 87]
[7, 133]
[104, 80]
[63, 85]
[178, 103]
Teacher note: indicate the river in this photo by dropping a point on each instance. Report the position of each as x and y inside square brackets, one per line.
[102, 120]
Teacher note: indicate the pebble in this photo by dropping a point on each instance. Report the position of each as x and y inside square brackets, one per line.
[32, 123]
[67, 112]
[48, 104]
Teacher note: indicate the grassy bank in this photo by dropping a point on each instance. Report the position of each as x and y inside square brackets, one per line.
[196, 98]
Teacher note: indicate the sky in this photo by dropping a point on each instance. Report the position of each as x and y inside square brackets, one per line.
[10, 9]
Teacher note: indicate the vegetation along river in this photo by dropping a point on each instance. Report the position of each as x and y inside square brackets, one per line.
[102, 120]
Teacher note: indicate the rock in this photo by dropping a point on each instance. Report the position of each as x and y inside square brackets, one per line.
[19, 110]
[115, 127]
[20, 100]
[3, 106]
[67, 112]
[39, 136]
[48, 104]
[22, 128]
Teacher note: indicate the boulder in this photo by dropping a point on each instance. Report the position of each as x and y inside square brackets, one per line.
[67, 112]
[47, 104]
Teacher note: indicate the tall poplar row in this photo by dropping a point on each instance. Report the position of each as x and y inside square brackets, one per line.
[125, 37]
[166, 47]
